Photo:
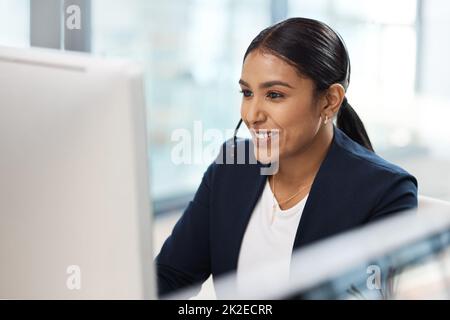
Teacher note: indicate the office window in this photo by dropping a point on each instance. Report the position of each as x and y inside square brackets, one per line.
[382, 48]
[15, 23]
[192, 53]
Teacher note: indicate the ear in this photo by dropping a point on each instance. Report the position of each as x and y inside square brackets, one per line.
[332, 100]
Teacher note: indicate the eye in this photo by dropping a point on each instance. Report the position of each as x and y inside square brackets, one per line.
[246, 93]
[274, 95]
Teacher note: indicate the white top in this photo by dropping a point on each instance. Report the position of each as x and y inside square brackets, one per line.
[268, 241]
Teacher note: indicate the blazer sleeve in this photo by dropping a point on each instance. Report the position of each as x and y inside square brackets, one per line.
[400, 194]
[184, 259]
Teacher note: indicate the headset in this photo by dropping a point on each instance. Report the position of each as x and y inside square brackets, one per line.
[345, 84]
[235, 134]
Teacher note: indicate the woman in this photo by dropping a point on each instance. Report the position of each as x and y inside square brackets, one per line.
[329, 179]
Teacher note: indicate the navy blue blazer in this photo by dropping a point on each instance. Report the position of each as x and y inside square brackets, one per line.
[352, 187]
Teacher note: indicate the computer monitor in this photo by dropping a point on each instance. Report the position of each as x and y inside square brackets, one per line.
[75, 211]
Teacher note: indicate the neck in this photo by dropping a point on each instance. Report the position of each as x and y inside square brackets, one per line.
[303, 166]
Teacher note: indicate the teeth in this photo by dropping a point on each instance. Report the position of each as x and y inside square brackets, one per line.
[263, 134]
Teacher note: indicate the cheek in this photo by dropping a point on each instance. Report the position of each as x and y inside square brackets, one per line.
[299, 128]
[244, 109]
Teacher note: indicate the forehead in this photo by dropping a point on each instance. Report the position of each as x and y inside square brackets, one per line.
[262, 66]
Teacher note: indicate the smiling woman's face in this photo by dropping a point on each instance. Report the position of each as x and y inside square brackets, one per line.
[276, 98]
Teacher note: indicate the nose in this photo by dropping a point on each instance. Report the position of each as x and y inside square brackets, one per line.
[252, 112]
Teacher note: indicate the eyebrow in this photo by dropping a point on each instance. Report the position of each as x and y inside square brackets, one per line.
[268, 84]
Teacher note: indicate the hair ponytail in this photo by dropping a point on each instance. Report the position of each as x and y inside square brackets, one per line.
[350, 123]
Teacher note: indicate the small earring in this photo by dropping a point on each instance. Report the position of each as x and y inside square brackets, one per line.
[326, 120]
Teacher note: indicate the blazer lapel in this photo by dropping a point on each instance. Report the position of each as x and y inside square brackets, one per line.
[236, 210]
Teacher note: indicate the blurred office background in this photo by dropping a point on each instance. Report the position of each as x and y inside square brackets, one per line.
[192, 51]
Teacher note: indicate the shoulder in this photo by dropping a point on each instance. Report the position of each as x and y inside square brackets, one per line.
[358, 155]
[370, 176]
